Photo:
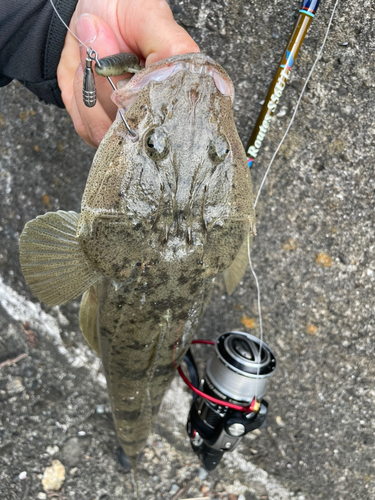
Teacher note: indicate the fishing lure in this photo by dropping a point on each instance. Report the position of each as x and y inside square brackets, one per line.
[115, 65]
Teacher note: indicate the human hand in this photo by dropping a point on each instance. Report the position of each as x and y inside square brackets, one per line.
[144, 27]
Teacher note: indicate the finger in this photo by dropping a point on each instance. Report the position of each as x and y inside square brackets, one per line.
[149, 28]
[66, 69]
[96, 34]
[79, 125]
[95, 120]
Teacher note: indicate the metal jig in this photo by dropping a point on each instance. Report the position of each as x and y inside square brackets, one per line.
[89, 89]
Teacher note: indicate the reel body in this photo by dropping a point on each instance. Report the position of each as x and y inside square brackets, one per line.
[235, 381]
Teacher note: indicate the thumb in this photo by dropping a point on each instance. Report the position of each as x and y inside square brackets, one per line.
[97, 34]
[150, 29]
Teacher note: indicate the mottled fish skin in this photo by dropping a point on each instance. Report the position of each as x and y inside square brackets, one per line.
[159, 226]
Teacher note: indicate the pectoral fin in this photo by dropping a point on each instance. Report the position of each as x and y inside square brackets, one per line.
[88, 318]
[234, 273]
[52, 260]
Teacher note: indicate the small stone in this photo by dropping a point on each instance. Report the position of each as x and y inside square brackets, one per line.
[282, 112]
[323, 260]
[311, 329]
[22, 475]
[119, 491]
[52, 450]
[202, 473]
[290, 244]
[42, 496]
[73, 471]
[100, 409]
[241, 497]
[72, 452]
[29, 371]
[81, 433]
[219, 487]
[15, 385]
[148, 454]
[176, 9]
[174, 489]
[280, 421]
[53, 476]
[248, 322]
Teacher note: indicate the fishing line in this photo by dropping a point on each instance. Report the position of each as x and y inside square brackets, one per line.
[297, 105]
[93, 56]
[259, 313]
[267, 172]
[67, 27]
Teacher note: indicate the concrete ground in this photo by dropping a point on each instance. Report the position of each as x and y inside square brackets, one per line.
[314, 255]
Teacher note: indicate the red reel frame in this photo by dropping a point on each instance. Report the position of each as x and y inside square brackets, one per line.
[245, 409]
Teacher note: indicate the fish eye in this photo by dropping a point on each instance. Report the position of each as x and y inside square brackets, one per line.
[218, 150]
[157, 144]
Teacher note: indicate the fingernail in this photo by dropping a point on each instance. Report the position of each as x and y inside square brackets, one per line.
[86, 29]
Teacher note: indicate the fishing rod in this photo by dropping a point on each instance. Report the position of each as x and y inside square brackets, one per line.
[306, 14]
[228, 401]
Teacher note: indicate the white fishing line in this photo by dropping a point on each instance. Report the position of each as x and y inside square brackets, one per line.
[66, 26]
[297, 105]
[259, 313]
[266, 174]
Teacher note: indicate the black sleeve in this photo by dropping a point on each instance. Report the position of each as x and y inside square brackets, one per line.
[31, 40]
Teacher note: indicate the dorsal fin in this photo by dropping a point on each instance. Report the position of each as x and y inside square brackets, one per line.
[52, 260]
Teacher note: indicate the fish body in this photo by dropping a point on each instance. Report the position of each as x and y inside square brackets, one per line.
[160, 217]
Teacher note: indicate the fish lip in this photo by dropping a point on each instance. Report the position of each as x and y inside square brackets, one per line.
[195, 62]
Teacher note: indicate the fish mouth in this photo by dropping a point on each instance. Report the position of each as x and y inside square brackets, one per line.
[162, 70]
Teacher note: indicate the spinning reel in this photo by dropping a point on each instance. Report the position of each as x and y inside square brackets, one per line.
[227, 401]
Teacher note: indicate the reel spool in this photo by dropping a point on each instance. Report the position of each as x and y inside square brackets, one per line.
[229, 402]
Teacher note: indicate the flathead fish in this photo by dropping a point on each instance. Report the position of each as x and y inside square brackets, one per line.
[161, 216]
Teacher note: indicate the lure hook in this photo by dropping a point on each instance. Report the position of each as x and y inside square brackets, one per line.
[89, 88]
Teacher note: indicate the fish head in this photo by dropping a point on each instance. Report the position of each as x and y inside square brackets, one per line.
[182, 190]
